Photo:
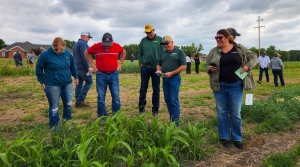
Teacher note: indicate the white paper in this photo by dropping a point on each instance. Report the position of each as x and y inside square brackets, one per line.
[249, 99]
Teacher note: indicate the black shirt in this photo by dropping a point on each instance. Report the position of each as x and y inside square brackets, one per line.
[229, 63]
[197, 59]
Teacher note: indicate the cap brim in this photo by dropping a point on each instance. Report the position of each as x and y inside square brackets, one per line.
[90, 37]
[106, 43]
[164, 42]
[237, 34]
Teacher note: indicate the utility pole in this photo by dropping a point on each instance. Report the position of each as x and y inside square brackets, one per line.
[258, 27]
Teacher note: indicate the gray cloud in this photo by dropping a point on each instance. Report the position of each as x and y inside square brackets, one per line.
[187, 21]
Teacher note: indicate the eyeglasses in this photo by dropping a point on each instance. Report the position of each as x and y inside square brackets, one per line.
[165, 44]
[219, 37]
[148, 32]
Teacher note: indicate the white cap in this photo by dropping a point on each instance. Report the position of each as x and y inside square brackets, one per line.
[86, 34]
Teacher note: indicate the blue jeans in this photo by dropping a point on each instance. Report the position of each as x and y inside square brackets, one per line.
[229, 104]
[261, 71]
[19, 63]
[112, 80]
[146, 73]
[53, 94]
[276, 73]
[82, 90]
[171, 92]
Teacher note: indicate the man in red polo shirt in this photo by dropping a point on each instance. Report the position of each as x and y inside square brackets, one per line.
[106, 68]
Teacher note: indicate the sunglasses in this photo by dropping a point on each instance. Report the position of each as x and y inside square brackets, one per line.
[165, 44]
[148, 32]
[219, 37]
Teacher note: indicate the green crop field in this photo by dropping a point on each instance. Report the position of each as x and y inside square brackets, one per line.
[132, 139]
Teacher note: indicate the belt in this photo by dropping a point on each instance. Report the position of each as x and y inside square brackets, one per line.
[105, 72]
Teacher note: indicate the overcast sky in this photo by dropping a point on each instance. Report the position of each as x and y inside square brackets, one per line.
[187, 21]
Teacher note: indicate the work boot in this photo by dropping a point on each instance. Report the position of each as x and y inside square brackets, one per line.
[83, 104]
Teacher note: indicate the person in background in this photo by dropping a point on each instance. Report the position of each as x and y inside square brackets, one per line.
[132, 58]
[264, 63]
[83, 68]
[277, 68]
[30, 58]
[221, 64]
[197, 62]
[188, 63]
[149, 52]
[18, 59]
[233, 32]
[171, 63]
[106, 68]
[54, 70]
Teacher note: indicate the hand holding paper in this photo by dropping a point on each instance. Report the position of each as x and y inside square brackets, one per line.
[238, 73]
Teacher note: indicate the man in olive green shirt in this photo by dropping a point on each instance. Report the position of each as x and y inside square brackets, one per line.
[171, 63]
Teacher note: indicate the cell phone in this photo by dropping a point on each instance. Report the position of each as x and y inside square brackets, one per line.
[213, 64]
[88, 73]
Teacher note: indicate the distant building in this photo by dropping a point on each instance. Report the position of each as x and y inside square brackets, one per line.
[23, 48]
[203, 57]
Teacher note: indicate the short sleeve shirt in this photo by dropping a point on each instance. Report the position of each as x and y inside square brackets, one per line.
[170, 61]
[106, 59]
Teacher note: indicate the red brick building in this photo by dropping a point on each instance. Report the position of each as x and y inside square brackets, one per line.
[23, 48]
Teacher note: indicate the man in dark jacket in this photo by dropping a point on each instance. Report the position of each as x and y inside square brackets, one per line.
[83, 68]
[197, 62]
[149, 52]
[18, 59]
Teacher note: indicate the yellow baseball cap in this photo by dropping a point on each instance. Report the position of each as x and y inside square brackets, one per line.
[148, 27]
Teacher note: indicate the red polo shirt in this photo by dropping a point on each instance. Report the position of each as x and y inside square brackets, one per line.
[106, 60]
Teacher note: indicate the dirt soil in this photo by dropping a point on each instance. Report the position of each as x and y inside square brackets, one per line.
[257, 148]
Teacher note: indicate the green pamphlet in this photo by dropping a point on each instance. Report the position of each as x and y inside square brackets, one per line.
[242, 76]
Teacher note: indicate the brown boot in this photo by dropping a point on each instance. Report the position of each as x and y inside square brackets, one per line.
[83, 104]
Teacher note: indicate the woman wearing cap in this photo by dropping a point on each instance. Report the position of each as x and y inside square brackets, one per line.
[54, 70]
[30, 58]
[277, 66]
[221, 64]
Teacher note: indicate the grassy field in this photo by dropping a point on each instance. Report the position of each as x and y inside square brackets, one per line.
[141, 140]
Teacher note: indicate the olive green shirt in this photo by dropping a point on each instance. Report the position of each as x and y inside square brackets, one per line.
[170, 61]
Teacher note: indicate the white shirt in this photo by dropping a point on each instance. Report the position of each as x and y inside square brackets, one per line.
[264, 61]
[188, 59]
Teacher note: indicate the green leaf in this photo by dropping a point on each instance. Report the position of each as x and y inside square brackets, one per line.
[3, 156]
[127, 146]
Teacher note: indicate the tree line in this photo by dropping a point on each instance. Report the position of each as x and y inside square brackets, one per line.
[291, 55]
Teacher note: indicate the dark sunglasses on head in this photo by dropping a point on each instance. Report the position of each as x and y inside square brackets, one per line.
[219, 37]
[148, 32]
